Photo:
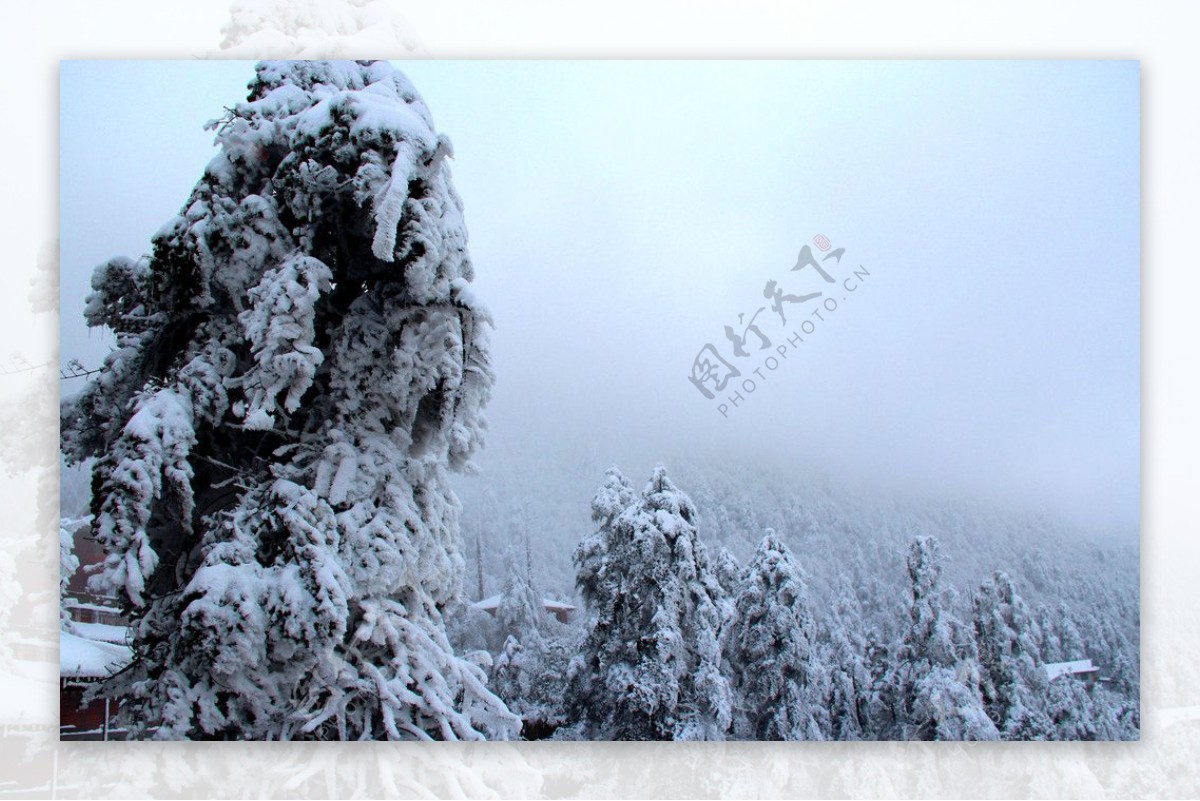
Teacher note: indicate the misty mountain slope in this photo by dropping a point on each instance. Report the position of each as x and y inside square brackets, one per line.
[849, 540]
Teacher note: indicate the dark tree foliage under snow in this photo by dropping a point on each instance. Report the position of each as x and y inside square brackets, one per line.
[1012, 679]
[650, 664]
[299, 362]
[532, 653]
[770, 644]
[932, 690]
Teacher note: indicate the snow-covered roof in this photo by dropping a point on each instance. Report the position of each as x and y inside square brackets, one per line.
[71, 603]
[493, 602]
[1077, 667]
[81, 658]
[103, 632]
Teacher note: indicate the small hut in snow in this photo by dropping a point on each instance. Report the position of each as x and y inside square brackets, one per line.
[562, 611]
[1080, 668]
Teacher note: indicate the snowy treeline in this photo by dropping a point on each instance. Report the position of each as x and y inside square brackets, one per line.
[679, 642]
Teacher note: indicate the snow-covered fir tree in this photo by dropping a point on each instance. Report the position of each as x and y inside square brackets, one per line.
[1070, 641]
[1049, 647]
[933, 686]
[299, 362]
[1013, 683]
[770, 655]
[1073, 711]
[846, 647]
[519, 612]
[596, 578]
[650, 664]
[529, 669]
[728, 574]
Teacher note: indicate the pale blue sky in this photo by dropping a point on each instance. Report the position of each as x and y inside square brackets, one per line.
[622, 213]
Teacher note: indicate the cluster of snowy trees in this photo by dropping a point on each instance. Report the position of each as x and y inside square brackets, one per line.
[681, 644]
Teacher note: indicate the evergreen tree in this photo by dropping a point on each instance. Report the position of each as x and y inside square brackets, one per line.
[1070, 641]
[299, 363]
[1071, 710]
[726, 570]
[650, 663]
[769, 646]
[1013, 683]
[520, 613]
[1049, 647]
[934, 685]
[529, 671]
[728, 575]
[597, 579]
[1126, 684]
[520, 620]
[849, 668]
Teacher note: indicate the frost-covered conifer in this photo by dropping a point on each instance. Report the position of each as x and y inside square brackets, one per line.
[1049, 647]
[1013, 683]
[299, 362]
[1070, 641]
[597, 581]
[770, 651]
[847, 648]
[530, 667]
[1072, 710]
[520, 613]
[934, 684]
[650, 664]
[726, 570]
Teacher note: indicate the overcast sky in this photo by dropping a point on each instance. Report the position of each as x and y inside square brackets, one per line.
[623, 213]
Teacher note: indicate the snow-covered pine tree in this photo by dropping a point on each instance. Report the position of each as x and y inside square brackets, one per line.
[1071, 708]
[726, 569]
[933, 686]
[597, 582]
[299, 363]
[727, 572]
[847, 648]
[1070, 641]
[519, 623]
[769, 650]
[529, 669]
[520, 613]
[1013, 683]
[1126, 685]
[1049, 647]
[650, 664]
